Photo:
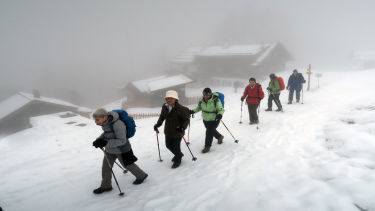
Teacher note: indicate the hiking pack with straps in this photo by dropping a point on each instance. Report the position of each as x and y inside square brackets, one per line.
[221, 97]
[128, 121]
[258, 87]
[281, 82]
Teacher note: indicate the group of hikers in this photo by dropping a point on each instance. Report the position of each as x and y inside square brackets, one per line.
[114, 141]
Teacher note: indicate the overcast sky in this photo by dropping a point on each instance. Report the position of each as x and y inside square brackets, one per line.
[94, 46]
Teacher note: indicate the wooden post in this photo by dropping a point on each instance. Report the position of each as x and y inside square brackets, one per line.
[308, 77]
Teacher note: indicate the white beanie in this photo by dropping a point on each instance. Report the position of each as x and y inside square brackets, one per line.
[172, 94]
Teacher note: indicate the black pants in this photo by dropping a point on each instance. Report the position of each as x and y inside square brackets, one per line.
[174, 145]
[274, 97]
[291, 93]
[253, 112]
[211, 132]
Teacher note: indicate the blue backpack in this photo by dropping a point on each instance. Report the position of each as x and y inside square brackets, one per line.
[221, 97]
[129, 122]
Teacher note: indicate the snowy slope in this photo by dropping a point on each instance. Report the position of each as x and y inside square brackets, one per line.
[315, 156]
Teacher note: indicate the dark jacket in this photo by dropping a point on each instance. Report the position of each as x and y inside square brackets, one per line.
[115, 133]
[295, 82]
[177, 118]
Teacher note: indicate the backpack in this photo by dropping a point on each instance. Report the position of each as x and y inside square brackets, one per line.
[128, 121]
[301, 78]
[258, 87]
[221, 97]
[281, 82]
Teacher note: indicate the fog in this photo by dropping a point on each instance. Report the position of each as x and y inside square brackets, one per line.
[87, 49]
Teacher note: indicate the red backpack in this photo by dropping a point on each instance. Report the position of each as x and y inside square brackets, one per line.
[281, 82]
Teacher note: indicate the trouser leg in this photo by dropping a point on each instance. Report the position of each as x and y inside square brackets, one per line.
[107, 170]
[298, 94]
[291, 93]
[270, 98]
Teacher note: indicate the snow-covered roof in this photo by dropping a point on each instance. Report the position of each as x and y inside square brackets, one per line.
[161, 82]
[17, 101]
[233, 50]
[265, 54]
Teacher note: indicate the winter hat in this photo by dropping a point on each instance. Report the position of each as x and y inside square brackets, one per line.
[272, 75]
[100, 113]
[172, 94]
[295, 71]
[252, 79]
[206, 91]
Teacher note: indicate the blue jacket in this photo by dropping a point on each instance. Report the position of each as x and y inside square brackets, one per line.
[295, 82]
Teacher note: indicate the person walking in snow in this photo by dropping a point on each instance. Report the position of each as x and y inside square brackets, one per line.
[295, 84]
[253, 94]
[212, 112]
[117, 146]
[274, 93]
[176, 119]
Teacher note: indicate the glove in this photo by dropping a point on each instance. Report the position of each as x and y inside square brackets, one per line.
[242, 99]
[191, 113]
[156, 128]
[181, 131]
[269, 89]
[99, 143]
[218, 117]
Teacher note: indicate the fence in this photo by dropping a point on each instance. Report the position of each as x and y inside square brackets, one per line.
[190, 101]
[144, 115]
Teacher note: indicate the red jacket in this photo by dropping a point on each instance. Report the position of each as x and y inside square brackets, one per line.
[252, 94]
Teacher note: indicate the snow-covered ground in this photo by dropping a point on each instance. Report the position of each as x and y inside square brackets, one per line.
[315, 156]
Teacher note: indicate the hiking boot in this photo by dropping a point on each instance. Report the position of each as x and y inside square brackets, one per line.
[176, 165]
[205, 149]
[101, 190]
[140, 181]
[268, 109]
[220, 140]
[291, 102]
[279, 109]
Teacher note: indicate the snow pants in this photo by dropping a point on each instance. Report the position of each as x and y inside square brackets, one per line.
[211, 132]
[174, 145]
[127, 161]
[253, 116]
[274, 97]
[291, 93]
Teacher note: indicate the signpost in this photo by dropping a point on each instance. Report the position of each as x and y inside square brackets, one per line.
[308, 77]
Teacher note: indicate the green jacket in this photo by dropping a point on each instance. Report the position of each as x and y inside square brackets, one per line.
[274, 86]
[209, 110]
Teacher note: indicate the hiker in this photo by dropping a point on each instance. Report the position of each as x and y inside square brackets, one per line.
[253, 94]
[117, 146]
[176, 119]
[295, 84]
[274, 89]
[212, 112]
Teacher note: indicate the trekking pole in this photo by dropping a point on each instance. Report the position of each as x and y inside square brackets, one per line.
[241, 112]
[124, 170]
[157, 139]
[258, 116]
[194, 158]
[235, 140]
[188, 142]
[114, 176]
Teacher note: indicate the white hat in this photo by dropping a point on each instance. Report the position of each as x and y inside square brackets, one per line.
[172, 94]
